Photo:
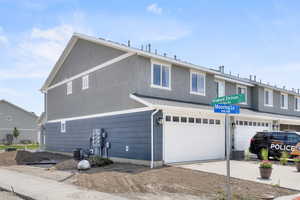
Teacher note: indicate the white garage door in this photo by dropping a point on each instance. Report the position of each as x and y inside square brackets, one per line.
[189, 138]
[245, 129]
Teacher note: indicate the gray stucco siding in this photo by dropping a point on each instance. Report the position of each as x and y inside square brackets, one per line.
[132, 129]
[108, 91]
[84, 56]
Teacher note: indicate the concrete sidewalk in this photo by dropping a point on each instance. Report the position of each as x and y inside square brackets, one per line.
[284, 176]
[45, 189]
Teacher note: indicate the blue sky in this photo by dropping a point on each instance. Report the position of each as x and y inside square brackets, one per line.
[247, 37]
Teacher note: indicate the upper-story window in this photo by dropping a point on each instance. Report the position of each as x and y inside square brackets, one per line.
[197, 83]
[161, 76]
[69, 88]
[85, 82]
[297, 103]
[220, 88]
[240, 89]
[268, 97]
[284, 101]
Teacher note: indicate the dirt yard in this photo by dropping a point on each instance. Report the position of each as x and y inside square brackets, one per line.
[24, 157]
[127, 178]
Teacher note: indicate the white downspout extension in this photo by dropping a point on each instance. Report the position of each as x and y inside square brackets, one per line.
[152, 138]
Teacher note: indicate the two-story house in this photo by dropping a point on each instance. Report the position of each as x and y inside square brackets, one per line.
[154, 109]
[13, 116]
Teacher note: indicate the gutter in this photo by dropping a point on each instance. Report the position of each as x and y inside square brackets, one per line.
[152, 138]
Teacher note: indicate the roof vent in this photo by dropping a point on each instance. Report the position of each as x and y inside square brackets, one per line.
[175, 57]
[128, 43]
[221, 69]
[165, 55]
[254, 78]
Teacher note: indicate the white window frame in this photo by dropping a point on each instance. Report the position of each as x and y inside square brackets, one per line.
[85, 82]
[286, 101]
[295, 101]
[191, 88]
[271, 97]
[246, 93]
[152, 75]
[63, 126]
[69, 88]
[221, 82]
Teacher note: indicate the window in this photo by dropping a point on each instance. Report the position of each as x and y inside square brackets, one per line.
[161, 76]
[191, 120]
[241, 123]
[168, 118]
[254, 123]
[284, 101]
[85, 82]
[62, 126]
[69, 88]
[220, 88]
[268, 96]
[250, 123]
[242, 90]
[245, 123]
[175, 119]
[198, 120]
[297, 103]
[258, 123]
[205, 121]
[183, 119]
[197, 83]
[211, 121]
[218, 122]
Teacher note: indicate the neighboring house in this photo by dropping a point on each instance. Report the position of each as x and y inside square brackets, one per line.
[155, 109]
[12, 116]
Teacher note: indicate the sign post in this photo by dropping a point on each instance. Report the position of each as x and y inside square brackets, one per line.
[224, 105]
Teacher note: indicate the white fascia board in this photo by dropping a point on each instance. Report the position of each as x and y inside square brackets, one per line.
[59, 63]
[105, 64]
[140, 100]
[233, 80]
[134, 110]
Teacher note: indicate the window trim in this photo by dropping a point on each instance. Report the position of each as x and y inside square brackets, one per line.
[272, 97]
[246, 93]
[152, 77]
[298, 99]
[198, 73]
[286, 97]
[222, 82]
[85, 79]
[69, 87]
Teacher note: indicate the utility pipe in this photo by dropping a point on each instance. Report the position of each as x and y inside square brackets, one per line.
[152, 138]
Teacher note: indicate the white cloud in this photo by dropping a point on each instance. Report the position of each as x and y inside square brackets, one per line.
[3, 38]
[154, 8]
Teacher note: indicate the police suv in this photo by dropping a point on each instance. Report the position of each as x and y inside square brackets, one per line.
[276, 143]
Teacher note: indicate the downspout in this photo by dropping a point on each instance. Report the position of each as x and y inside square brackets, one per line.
[152, 138]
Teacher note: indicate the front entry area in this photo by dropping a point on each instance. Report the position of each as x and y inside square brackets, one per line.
[193, 138]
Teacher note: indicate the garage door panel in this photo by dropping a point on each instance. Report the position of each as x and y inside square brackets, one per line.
[243, 133]
[191, 142]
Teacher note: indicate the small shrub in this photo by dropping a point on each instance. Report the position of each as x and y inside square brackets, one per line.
[264, 154]
[284, 158]
[99, 161]
[265, 164]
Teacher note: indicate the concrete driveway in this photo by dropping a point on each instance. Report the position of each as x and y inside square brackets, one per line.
[284, 176]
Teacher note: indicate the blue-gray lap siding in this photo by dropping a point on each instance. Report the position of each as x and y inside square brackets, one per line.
[133, 130]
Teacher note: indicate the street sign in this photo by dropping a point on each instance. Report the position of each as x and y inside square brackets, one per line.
[232, 99]
[227, 109]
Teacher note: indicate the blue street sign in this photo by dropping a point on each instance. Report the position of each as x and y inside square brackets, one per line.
[227, 108]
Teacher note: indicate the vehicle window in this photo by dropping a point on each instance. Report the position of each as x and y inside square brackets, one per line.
[292, 138]
[198, 120]
[191, 120]
[183, 119]
[211, 121]
[241, 123]
[278, 136]
[250, 123]
[254, 123]
[218, 122]
[168, 118]
[245, 123]
[258, 123]
[205, 121]
[175, 119]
